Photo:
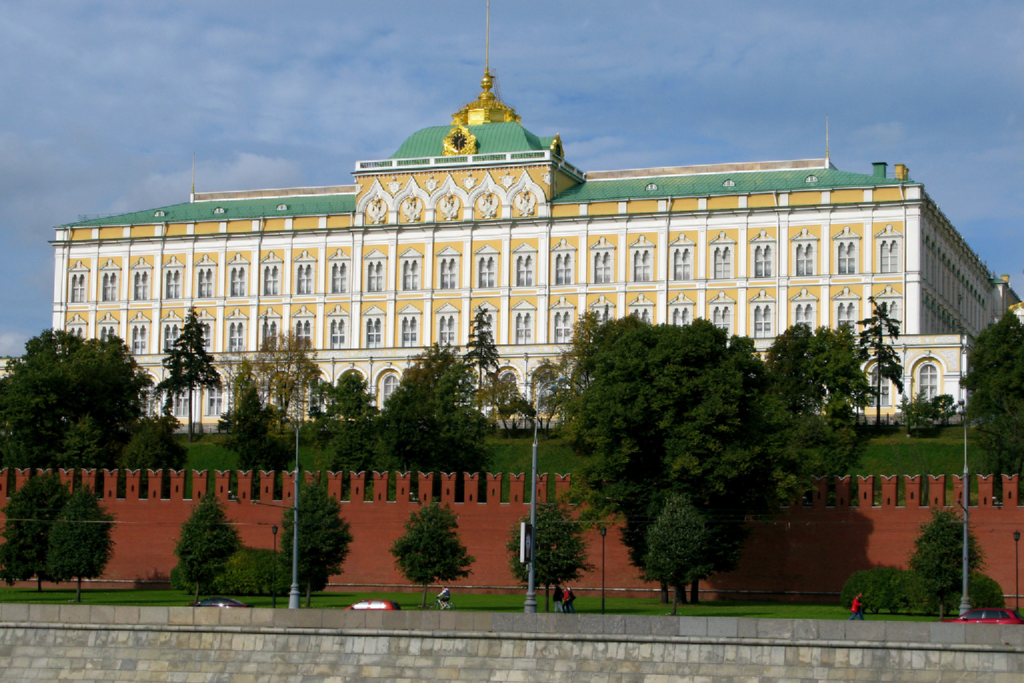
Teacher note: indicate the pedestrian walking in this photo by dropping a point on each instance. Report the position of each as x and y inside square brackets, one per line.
[857, 609]
[567, 601]
[558, 598]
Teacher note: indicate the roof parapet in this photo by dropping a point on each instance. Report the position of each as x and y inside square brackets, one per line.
[742, 167]
[280, 192]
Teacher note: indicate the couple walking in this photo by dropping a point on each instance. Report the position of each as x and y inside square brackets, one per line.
[564, 600]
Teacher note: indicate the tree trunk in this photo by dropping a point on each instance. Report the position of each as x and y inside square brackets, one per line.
[197, 591]
[309, 593]
[547, 605]
[694, 592]
[664, 593]
[39, 583]
[423, 605]
[678, 595]
[190, 392]
[78, 591]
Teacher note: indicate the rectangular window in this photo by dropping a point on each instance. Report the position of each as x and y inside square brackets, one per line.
[375, 276]
[410, 275]
[172, 284]
[271, 281]
[304, 279]
[723, 262]
[603, 263]
[486, 269]
[373, 333]
[524, 271]
[642, 265]
[762, 261]
[805, 259]
[238, 281]
[681, 265]
[563, 269]
[140, 289]
[339, 278]
[410, 334]
[337, 334]
[214, 402]
[236, 337]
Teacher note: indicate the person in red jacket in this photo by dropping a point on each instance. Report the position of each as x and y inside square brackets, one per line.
[857, 609]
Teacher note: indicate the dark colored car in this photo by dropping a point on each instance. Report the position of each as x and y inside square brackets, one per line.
[218, 602]
[375, 604]
[988, 616]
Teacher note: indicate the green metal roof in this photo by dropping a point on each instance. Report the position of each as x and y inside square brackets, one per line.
[490, 138]
[713, 184]
[234, 209]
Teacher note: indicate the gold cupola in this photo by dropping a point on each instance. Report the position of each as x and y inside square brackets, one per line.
[486, 108]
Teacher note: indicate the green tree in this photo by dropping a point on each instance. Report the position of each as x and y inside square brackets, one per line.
[507, 404]
[29, 519]
[153, 446]
[481, 351]
[680, 547]
[285, 370]
[876, 337]
[189, 366]
[346, 427]
[561, 550]
[683, 410]
[918, 412]
[430, 550]
[324, 538]
[80, 540]
[996, 383]
[250, 426]
[431, 421]
[938, 557]
[69, 397]
[206, 542]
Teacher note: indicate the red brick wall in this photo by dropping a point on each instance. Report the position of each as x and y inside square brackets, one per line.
[810, 548]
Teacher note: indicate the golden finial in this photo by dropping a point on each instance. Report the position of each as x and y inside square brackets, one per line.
[486, 108]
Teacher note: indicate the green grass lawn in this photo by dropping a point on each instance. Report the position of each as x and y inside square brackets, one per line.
[473, 602]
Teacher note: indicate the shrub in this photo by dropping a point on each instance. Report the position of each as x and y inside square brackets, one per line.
[984, 591]
[885, 588]
[857, 583]
[249, 571]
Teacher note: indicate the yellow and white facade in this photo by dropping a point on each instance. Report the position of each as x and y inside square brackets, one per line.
[484, 214]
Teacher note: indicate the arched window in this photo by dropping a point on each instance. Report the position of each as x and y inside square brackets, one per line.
[524, 328]
[723, 262]
[271, 281]
[446, 330]
[847, 258]
[803, 314]
[884, 396]
[602, 267]
[373, 334]
[410, 335]
[763, 261]
[138, 339]
[449, 274]
[681, 264]
[524, 271]
[236, 337]
[237, 277]
[303, 331]
[563, 269]
[762, 322]
[109, 287]
[563, 328]
[720, 317]
[337, 334]
[929, 381]
[77, 288]
[387, 387]
[889, 256]
[171, 333]
[485, 271]
[805, 259]
[411, 275]
[140, 289]
[680, 317]
[642, 265]
[339, 278]
[304, 279]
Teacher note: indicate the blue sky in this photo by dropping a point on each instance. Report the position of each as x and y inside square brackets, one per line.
[103, 103]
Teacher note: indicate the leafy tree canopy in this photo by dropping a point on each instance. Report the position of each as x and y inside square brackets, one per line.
[189, 366]
[938, 557]
[346, 427]
[70, 402]
[681, 546]
[206, 542]
[430, 550]
[80, 540]
[29, 519]
[324, 537]
[996, 383]
[285, 370]
[153, 446]
[561, 550]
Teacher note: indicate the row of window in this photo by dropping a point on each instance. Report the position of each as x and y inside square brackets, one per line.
[642, 270]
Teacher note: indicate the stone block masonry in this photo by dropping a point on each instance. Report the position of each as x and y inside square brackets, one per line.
[181, 644]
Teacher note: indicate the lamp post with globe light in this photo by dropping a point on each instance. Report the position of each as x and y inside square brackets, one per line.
[530, 605]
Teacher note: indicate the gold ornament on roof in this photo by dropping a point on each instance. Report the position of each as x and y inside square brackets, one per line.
[459, 141]
[486, 108]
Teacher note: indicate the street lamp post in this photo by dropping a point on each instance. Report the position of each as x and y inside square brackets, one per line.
[1016, 570]
[530, 605]
[604, 532]
[273, 586]
[293, 595]
[965, 601]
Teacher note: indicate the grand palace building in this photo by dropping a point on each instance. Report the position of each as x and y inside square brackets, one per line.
[482, 213]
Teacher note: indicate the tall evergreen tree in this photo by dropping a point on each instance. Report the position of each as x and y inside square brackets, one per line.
[481, 351]
[324, 537]
[430, 550]
[206, 542]
[876, 337]
[29, 520]
[189, 366]
[80, 542]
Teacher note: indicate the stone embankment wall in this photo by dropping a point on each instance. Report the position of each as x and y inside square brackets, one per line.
[46, 642]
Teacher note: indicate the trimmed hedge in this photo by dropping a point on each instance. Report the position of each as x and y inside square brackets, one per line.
[901, 591]
[250, 571]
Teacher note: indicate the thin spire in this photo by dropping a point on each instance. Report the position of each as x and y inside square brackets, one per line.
[193, 196]
[826, 140]
[487, 40]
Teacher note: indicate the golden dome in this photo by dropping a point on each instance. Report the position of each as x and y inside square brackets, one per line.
[486, 108]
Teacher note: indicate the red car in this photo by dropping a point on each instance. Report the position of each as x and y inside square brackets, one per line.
[375, 604]
[988, 616]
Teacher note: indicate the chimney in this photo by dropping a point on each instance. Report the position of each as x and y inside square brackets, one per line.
[902, 172]
[880, 167]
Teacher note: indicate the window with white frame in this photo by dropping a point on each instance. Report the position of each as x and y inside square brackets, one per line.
[109, 289]
[269, 330]
[337, 329]
[603, 309]
[138, 339]
[204, 283]
[763, 260]
[106, 332]
[171, 334]
[803, 314]
[722, 257]
[604, 262]
[680, 316]
[238, 283]
[643, 314]
[884, 395]
[721, 317]
[762, 321]
[681, 266]
[524, 328]
[410, 331]
[271, 280]
[172, 284]
[375, 275]
[805, 258]
[207, 336]
[180, 405]
[236, 337]
[448, 273]
[339, 278]
[486, 271]
[929, 381]
[846, 257]
[643, 260]
[214, 402]
[140, 285]
[524, 270]
[77, 288]
[410, 275]
[563, 269]
[889, 256]
[846, 313]
[304, 331]
[446, 333]
[563, 327]
[374, 337]
[387, 387]
[304, 278]
[892, 309]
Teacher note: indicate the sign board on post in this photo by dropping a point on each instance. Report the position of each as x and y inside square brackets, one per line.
[525, 542]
